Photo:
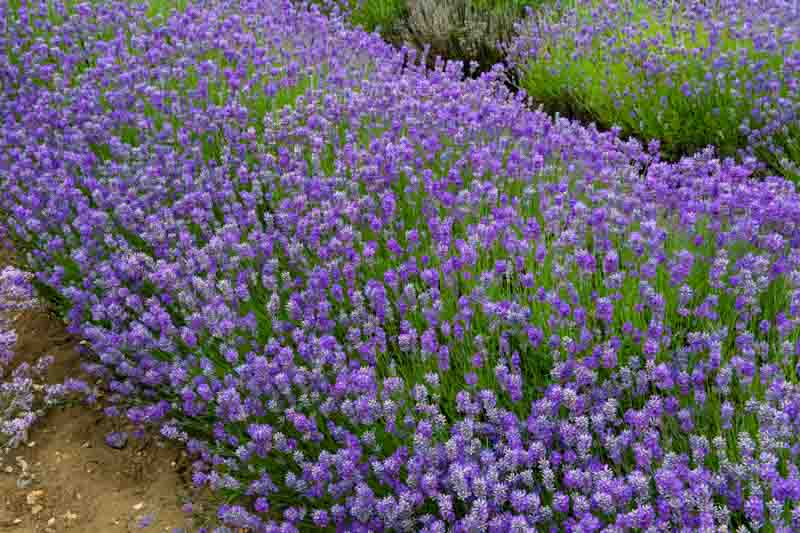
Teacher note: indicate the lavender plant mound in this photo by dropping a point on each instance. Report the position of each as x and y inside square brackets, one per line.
[687, 73]
[16, 295]
[22, 393]
[370, 297]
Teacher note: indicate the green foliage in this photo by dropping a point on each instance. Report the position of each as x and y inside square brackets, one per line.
[164, 7]
[615, 88]
[384, 15]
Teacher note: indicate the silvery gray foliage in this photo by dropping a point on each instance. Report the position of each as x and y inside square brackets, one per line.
[461, 29]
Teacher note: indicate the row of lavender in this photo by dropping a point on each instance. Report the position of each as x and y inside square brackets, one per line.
[368, 297]
[691, 73]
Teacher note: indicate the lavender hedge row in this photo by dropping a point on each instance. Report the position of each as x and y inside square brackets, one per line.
[370, 297]
[690, 73]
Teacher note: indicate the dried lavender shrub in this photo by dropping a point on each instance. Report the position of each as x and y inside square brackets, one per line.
[368, 296]
[462, 30]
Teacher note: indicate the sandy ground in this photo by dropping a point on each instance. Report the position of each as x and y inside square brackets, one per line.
[68, 479]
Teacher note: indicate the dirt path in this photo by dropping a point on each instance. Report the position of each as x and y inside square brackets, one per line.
[69, 479]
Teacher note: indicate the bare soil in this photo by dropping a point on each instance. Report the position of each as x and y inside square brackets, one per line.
[68, 478]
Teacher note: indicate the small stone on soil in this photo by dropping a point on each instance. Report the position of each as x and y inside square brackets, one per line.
[33, 497]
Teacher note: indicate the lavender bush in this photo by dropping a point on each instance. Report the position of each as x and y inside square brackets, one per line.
[689, 73]
[367, 296]
[475, 32]
[23, 397]
[22, 392]
[16, 295]
[462, 30]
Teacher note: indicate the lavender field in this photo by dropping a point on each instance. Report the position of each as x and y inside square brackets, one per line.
[366, 295]
[690, 73]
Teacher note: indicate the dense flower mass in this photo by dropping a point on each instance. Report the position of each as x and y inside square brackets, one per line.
[367, 296]
[688, 72]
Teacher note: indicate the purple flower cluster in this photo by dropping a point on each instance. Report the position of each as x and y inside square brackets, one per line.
[367, 296]
[21, 402]
[690, 73]
[16, 295]
[22, 392]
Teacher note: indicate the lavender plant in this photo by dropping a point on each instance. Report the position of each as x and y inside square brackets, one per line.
[458, 30]
[16, 295]
[689, 73]
[462, 30]
[370, 296]
[22, 392]
[22, 402]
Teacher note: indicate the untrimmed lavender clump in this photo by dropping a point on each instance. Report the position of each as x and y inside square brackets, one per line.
[686, 72]
[366, 296]
[20, 402]
[21, 385]
[8, 339]
[16, 294]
